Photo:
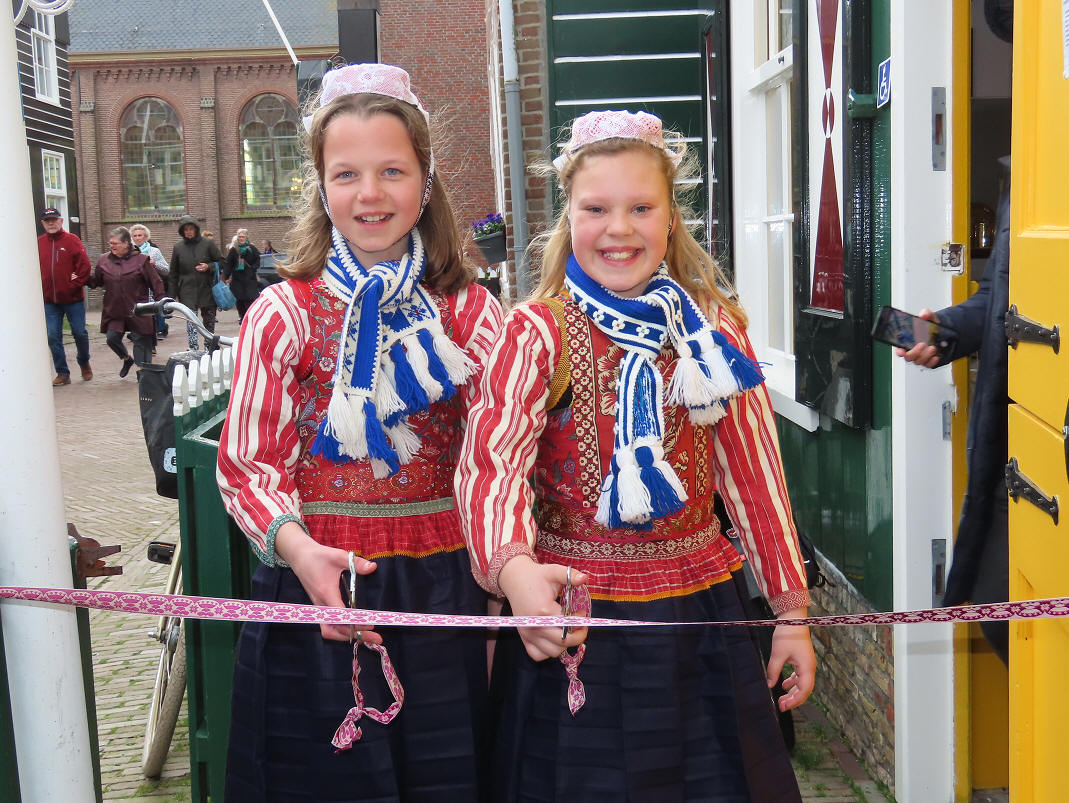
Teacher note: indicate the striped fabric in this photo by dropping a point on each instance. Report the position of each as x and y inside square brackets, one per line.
[509, 417]
[259, 446]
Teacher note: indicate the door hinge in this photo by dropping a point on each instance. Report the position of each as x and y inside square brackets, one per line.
[1020, 328]
[1018, 485]
[952, 258]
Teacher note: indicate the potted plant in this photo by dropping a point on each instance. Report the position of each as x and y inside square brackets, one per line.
[490, 237]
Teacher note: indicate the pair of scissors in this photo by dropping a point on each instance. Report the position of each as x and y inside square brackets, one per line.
[354, 634]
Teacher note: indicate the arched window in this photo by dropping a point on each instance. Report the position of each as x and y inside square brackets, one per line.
[270, 154]
[150, 137]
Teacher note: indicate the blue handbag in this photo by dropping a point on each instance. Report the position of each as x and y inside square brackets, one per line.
[224, 298]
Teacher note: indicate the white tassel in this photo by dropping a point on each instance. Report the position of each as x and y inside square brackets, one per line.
[602, 516]
[387, 402]
[724, 383]
[380, 468]
[706, 416]
[460, 366]
[417, 358]
[689, 386]
[635, 504]
[405, 441]
[346, 415]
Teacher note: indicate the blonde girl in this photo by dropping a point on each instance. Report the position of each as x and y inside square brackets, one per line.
[627, 388]
[351, 387]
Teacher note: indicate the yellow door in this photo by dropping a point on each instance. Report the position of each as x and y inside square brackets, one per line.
[1039, 393]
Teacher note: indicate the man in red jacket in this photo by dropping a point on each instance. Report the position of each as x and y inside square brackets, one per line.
[64, 272]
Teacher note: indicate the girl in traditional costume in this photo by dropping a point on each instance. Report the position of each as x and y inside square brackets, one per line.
[627, 387]
[351, 387]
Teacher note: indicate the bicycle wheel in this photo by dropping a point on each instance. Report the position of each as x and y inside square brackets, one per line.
[167, 694]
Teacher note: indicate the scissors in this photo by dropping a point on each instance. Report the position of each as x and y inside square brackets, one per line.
[566, 604]
[354, 634]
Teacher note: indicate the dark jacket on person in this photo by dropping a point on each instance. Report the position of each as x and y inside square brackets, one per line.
[185, 283]
[241, 271]
[980, 324]
[126, 281]
[62, 256]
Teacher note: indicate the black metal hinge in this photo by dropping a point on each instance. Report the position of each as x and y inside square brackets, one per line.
[1017, 485]
[1020, 328]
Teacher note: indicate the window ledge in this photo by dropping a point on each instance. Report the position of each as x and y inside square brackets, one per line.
[805, 417]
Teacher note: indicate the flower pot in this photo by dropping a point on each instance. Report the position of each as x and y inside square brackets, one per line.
[493, 247]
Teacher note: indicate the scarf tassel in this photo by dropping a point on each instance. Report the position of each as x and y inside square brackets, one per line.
[341, 435]
[387, 401]
[408, 387]
[419, 360]
[378, 448]
[708, 414]
[405, 441]
[435, 366]
[458, 364]
[745, 371]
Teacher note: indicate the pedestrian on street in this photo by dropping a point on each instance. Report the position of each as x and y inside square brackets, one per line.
[242, 261]
[65, 270]
[127, 277]
[142, 238]
[195, 262]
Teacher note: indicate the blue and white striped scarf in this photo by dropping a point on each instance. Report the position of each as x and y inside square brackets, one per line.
[641, 485]
[394, 359]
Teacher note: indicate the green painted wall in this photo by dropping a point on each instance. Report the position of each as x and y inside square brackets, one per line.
[839, 478]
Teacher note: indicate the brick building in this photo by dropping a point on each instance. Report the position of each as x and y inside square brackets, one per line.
[192, 108]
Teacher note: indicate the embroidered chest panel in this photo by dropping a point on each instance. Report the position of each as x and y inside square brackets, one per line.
[428, 476]
[588, 422]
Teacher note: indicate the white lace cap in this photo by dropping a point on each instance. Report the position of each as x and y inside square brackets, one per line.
[601, 125]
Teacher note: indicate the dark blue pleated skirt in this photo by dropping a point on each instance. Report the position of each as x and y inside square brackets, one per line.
[292, 689]
[671, 715]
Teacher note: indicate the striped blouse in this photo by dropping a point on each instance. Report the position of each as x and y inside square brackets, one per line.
[261, 444]
[509, 426]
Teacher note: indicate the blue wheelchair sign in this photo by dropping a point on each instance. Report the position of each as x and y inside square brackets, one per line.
[883, 88]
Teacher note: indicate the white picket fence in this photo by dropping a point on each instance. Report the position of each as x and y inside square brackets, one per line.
[202, 380]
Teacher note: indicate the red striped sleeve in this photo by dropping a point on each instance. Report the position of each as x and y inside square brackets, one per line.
[477, 321]
[749, 475]
[259, 446]
[506, 419]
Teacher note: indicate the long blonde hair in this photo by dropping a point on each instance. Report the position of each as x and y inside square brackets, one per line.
[309, 242]
[688, 263]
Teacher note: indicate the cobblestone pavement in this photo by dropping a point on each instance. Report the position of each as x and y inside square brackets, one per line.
[110, 496]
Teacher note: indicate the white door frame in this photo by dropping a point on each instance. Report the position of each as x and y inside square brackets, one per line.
[923, 506]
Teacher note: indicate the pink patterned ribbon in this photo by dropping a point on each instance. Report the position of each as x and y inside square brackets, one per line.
[239, 610]
[575, 600]
[349, 732]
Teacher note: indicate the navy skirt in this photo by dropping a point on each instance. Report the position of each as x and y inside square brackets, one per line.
[671, 715]
[292, 689]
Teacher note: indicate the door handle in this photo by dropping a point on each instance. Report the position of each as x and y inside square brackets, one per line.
[1018, 485]
[1020, 328]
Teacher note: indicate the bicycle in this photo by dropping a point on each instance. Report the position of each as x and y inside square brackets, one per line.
[169, 686]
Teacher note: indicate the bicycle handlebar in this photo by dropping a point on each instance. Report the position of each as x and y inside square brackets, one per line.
[168, 306]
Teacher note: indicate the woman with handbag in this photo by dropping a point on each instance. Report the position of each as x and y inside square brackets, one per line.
[194, 269]
[242, 261]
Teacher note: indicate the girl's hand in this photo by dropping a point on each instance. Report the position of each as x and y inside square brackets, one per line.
[319, 568]
[792, 645]
[532, 589]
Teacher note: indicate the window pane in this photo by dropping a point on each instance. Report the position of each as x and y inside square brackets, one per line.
[270, 152]
[778, 285]
[153, 165]
[776, 153]
[786, 24]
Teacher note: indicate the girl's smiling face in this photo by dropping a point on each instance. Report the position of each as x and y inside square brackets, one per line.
[374, 184]
[619, 209]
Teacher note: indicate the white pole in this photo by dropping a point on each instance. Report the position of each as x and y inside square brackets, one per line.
[517, 166]
[44, 671]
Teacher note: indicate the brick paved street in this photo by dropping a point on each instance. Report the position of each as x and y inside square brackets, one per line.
[110, 496]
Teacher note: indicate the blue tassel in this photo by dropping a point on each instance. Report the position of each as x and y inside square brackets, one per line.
[435, 365]
[326, 445]
[615, 522]
[663, 498]
[408, 387]
[377, 445]
[746, 371]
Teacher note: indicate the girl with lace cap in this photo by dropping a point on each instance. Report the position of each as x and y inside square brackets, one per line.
[628, 389]
[351, 387]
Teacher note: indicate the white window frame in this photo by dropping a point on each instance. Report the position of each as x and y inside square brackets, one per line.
[55, 196]
[753, 84]
[45, 63]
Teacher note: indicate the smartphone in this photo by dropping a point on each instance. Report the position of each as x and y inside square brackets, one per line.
[905, 331]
